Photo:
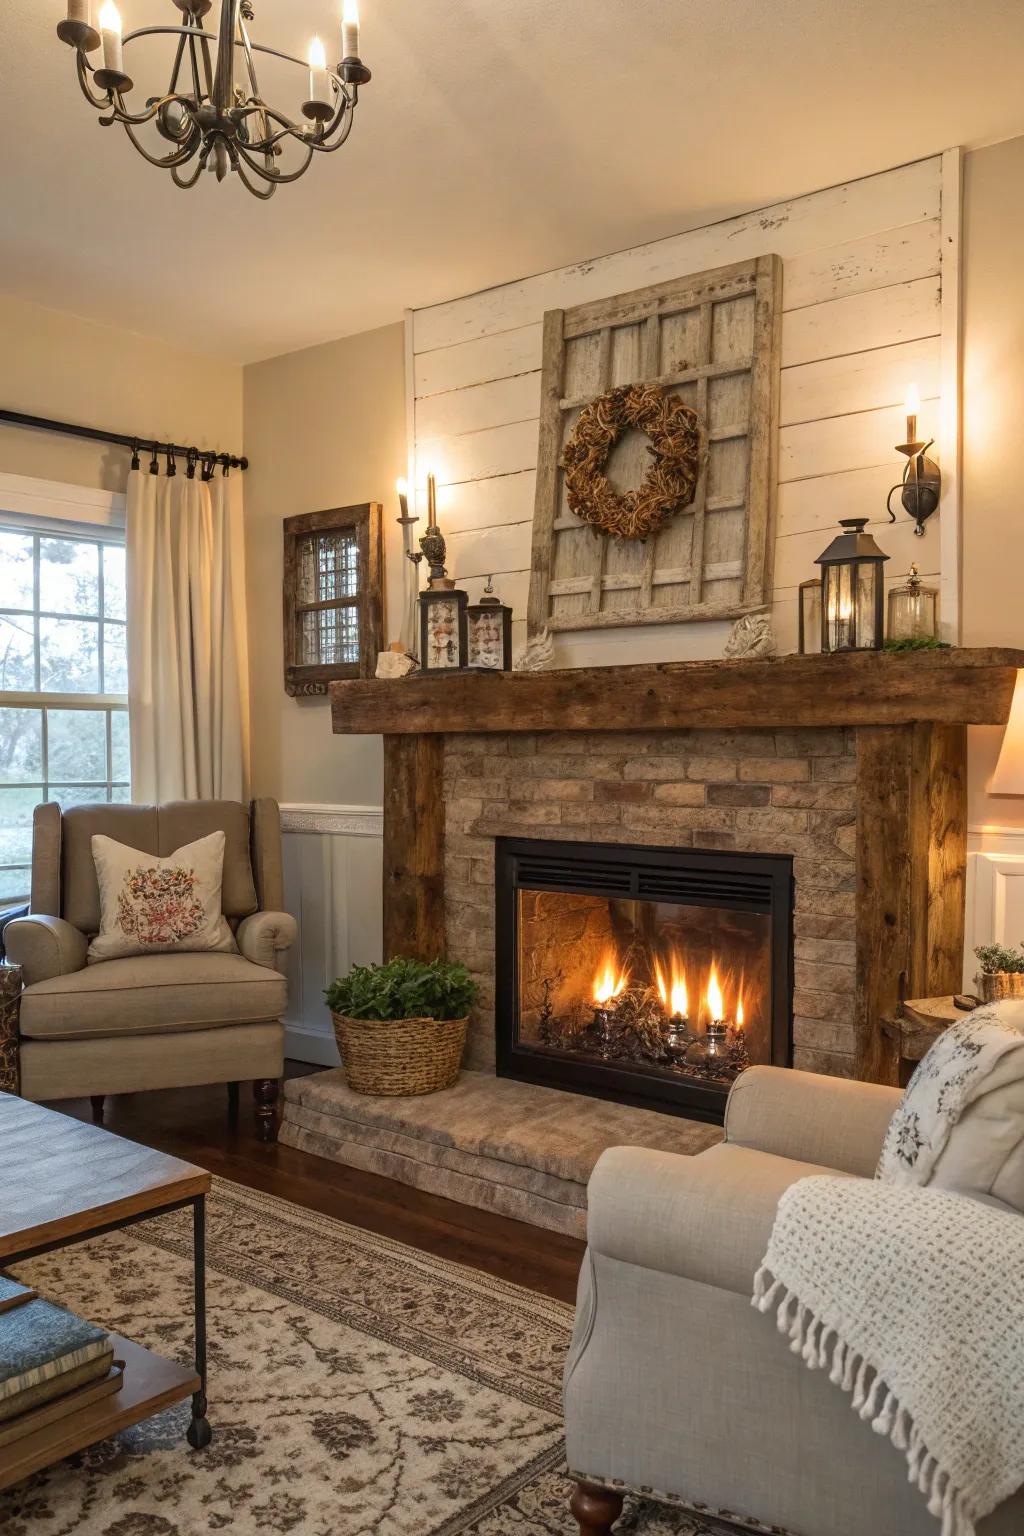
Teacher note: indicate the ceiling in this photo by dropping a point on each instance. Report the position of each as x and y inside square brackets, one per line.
[497, 138]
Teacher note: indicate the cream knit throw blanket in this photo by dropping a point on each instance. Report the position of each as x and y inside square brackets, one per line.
[913, 1298]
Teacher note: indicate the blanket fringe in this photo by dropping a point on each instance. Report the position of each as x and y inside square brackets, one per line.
[820, 1345]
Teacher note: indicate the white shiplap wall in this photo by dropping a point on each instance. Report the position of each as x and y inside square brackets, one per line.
[864, 314]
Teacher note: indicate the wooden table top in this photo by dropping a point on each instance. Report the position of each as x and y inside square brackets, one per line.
[60, 1178]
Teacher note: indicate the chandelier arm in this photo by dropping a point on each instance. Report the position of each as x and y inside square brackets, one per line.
[166, 162]
[277, 178]
[185, 182]
[324, 148]
[84, 71]
[193, 60]
[263, 194]
[119, 113]
[254, 86]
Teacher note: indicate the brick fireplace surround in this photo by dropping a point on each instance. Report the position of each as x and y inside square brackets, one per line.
[854, 765]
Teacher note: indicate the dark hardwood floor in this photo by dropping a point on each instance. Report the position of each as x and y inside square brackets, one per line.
[193, 1123]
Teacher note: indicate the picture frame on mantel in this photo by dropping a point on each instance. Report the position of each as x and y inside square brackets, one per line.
[712, 340]
[333, 596]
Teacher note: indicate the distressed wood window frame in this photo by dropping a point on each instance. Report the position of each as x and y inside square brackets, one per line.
[648, 307]
[364, 520]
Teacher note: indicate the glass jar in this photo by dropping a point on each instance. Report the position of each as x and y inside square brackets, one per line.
[913, 610]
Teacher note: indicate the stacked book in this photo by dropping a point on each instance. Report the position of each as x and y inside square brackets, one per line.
[51, 1362]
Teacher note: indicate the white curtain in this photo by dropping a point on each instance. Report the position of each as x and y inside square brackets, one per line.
[184, 681]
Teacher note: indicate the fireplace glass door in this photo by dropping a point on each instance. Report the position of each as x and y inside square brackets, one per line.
[650, 975]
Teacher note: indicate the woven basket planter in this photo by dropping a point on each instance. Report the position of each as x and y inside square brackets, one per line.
[993, 985]
[398, 1058]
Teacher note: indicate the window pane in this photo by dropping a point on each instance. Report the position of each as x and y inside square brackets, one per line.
[113, 581]
[337, 566]
[69, 576]
[67, 795]
[21, 745]
[16, 564]
[121, 794]
[77, 745]
[15, 883]
[17, 654]
[120, 756]
[69, 656]
[16, 807]
[115, 659]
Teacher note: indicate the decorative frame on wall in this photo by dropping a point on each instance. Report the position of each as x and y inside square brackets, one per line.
[712, 341]
[333, 596]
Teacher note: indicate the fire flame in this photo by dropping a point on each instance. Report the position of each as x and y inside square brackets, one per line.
[740, 1017]
[716, 1004]
[610, 982]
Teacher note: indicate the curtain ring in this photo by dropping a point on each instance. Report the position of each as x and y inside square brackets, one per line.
[135, 453]
[172, 467]
[190, 463]
[154, 463]
[227, 467]
[209, 461]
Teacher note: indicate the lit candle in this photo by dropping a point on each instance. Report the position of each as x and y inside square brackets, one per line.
[110, 29]
[350, 30]
[431, 501]
[319, 79]
[912, 407]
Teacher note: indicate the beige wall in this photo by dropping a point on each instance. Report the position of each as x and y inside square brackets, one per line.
[323, 428]
[68, 369]
[993, 409]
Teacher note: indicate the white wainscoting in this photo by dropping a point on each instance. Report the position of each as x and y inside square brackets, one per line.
[332, 886]
[995, 891]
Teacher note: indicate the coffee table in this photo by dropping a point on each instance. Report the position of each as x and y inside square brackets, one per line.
[64, 1182]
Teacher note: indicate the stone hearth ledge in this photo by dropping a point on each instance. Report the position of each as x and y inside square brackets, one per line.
[514, 1148]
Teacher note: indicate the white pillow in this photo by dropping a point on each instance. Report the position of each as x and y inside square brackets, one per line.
[150, 905]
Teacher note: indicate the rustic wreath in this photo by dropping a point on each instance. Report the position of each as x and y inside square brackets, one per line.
[671, 481]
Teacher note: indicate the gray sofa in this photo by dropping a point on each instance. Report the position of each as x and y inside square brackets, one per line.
[675, 1386]
[159, 1020]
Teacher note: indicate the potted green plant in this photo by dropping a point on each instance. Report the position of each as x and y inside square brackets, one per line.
[401, 1026]
[1001, 974]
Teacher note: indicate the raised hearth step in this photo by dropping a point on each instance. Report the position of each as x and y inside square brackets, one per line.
[514, 1148]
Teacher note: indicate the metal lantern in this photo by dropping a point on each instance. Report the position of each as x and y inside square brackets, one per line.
[810, 617]
[852, 607]
[489, 627]
[913, 610]
[443, 629]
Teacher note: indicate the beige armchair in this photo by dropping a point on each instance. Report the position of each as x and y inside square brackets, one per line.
[675, 1386]
[161, 1020]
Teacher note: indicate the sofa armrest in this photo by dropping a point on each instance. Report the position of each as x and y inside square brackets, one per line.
[44, 947]
[809, 1117]
[263, 935]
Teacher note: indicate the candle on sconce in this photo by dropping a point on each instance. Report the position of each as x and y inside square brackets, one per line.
[913, 405]
[350, 30]
[80, 11]
[431, 501]
[319, 79]
[110, 32]
[402, 487]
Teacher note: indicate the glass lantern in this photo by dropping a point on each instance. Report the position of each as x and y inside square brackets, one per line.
[810, 617]
[442, 629]
[913, 610]
[852, 590]
[489, 628]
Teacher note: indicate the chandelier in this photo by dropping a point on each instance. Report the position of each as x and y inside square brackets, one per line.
[210, 120]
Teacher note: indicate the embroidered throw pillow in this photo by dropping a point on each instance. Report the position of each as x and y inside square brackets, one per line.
[960, 1123]
[150, 905]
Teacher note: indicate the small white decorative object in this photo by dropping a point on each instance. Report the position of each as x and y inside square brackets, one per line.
[537, 655]
[751, 636]
[395, 664]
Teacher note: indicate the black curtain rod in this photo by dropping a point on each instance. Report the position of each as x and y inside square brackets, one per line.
[121, 439]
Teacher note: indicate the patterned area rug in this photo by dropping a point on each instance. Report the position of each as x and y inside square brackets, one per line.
[357, 1388]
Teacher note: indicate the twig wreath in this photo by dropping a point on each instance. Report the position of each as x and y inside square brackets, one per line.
[671, 481]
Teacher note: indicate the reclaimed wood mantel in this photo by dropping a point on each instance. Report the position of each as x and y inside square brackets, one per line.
[909, 713]
[961, 686]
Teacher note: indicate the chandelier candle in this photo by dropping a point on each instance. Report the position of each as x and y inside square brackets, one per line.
[319, 79]
[431, 501]
[350, 30]
[110, 30]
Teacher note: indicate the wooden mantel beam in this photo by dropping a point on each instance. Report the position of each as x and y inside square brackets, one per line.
[959, 686]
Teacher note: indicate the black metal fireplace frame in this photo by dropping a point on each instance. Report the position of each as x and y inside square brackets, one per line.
[752, 882]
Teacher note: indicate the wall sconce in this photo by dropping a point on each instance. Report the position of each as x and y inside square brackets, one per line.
[922, 482]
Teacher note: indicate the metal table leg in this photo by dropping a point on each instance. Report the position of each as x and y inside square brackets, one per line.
[199, 1433]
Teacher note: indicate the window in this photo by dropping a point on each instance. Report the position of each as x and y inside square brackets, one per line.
[333, 577]
[63, 680]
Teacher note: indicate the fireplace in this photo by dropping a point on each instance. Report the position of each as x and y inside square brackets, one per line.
[648, 975]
